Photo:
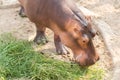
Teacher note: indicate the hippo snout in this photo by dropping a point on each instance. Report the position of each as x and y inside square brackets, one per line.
[84, 60]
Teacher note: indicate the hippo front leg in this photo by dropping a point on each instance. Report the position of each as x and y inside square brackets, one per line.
[60, 48]
[22, 12]
[40, 37]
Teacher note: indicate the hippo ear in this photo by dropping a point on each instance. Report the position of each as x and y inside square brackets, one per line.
[91, 29]
[93, 32]
[85, 38]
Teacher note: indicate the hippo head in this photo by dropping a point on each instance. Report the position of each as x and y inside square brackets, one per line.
[79, 39]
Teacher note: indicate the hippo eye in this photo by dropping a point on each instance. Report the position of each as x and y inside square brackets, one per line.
[83, 41]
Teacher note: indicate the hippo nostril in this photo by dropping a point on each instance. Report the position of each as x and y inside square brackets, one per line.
[97, 58]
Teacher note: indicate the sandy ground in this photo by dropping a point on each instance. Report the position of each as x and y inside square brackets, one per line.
[22, 28]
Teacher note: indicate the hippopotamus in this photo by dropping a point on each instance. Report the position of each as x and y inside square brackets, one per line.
[71, 28]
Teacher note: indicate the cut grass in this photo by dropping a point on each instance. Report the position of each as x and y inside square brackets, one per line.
[18, 59]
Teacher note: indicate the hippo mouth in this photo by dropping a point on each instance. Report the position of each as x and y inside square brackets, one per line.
[77, 59]
[83, 60]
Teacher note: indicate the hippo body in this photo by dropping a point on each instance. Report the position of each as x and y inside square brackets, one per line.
[69, 25]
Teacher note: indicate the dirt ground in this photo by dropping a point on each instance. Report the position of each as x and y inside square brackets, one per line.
[109, 11]
[22, 28]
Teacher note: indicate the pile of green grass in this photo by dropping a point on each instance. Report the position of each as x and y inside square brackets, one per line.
[18, 59]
